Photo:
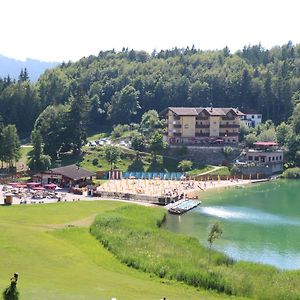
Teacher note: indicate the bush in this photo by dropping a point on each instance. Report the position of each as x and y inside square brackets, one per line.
[95, 161]
[119, 130]
[227, 150]
[185, 165]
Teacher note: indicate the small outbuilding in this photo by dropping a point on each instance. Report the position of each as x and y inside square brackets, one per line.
[67, 176]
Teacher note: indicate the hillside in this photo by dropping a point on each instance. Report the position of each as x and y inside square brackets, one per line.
[118, 87]
[12, 67]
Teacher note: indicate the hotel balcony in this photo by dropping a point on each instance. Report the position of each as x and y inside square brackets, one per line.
[177, 125]
[229, 133]
[202, 134]
[229, 126]
[202, 125]
[175, 122]
[227, 118]
[177, 133]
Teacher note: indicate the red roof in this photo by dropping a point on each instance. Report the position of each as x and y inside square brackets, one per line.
[265, 144]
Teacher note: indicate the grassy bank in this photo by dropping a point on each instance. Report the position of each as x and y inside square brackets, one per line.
[58, 259]
[132, 234]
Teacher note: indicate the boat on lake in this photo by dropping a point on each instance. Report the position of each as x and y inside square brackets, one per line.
[183, 206]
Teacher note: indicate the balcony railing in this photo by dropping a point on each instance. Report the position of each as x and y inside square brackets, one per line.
[202, 125]
[229, 133]
[228, 118]
[229, 126]
[175, 122]
[202, 134]
[177, 126]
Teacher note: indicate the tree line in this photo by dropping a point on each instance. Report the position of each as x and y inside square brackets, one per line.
[119, 87]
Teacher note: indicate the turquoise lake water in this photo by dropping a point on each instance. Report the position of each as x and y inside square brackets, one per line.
[261, 222]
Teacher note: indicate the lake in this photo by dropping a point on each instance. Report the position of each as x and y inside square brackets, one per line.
[261, 222]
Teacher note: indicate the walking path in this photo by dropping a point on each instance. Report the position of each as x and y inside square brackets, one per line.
[215, 168]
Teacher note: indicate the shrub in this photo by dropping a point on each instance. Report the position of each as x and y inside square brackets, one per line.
[291, 173]
[185, 165]
[227, 150]
[95, 161]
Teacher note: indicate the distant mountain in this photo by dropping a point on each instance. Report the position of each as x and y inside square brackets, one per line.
[12, 67]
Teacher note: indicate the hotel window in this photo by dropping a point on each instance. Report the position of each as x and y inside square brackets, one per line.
[280, 157]
[273, 158]
[256, 158]
[269, 158]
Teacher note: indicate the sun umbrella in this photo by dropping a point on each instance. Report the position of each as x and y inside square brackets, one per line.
[50, 186]
[38, 188]
[33, 184]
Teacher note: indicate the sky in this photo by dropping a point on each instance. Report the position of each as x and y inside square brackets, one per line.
[63, 30]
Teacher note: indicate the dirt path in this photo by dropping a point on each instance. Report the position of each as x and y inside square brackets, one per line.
[210, 171]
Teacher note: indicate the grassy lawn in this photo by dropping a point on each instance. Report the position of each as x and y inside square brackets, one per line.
[24, 151]
[133, 235]
[93, 159]
[200, 170]
[223, 171]
[57, 258]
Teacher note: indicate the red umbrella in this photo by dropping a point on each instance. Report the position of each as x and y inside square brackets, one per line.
[50, 186]
[20, 186]
[38, 188]
[33, 184]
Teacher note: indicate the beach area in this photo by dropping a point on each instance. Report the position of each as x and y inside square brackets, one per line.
[140, 191]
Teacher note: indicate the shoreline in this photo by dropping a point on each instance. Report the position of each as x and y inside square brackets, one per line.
[233, 183]
[202, 187]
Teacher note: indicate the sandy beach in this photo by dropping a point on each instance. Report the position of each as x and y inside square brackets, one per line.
[154, 188]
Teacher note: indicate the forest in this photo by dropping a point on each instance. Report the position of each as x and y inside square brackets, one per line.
[72, 99]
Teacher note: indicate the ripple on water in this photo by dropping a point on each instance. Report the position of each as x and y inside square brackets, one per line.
[247, 215]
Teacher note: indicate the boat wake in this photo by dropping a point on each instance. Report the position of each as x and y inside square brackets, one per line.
[246, 215]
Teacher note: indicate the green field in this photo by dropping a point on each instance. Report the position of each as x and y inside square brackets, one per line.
[134, 235]
[57, 258]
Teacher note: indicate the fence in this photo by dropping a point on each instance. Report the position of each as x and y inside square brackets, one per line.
[229, 177]
[153, 175]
